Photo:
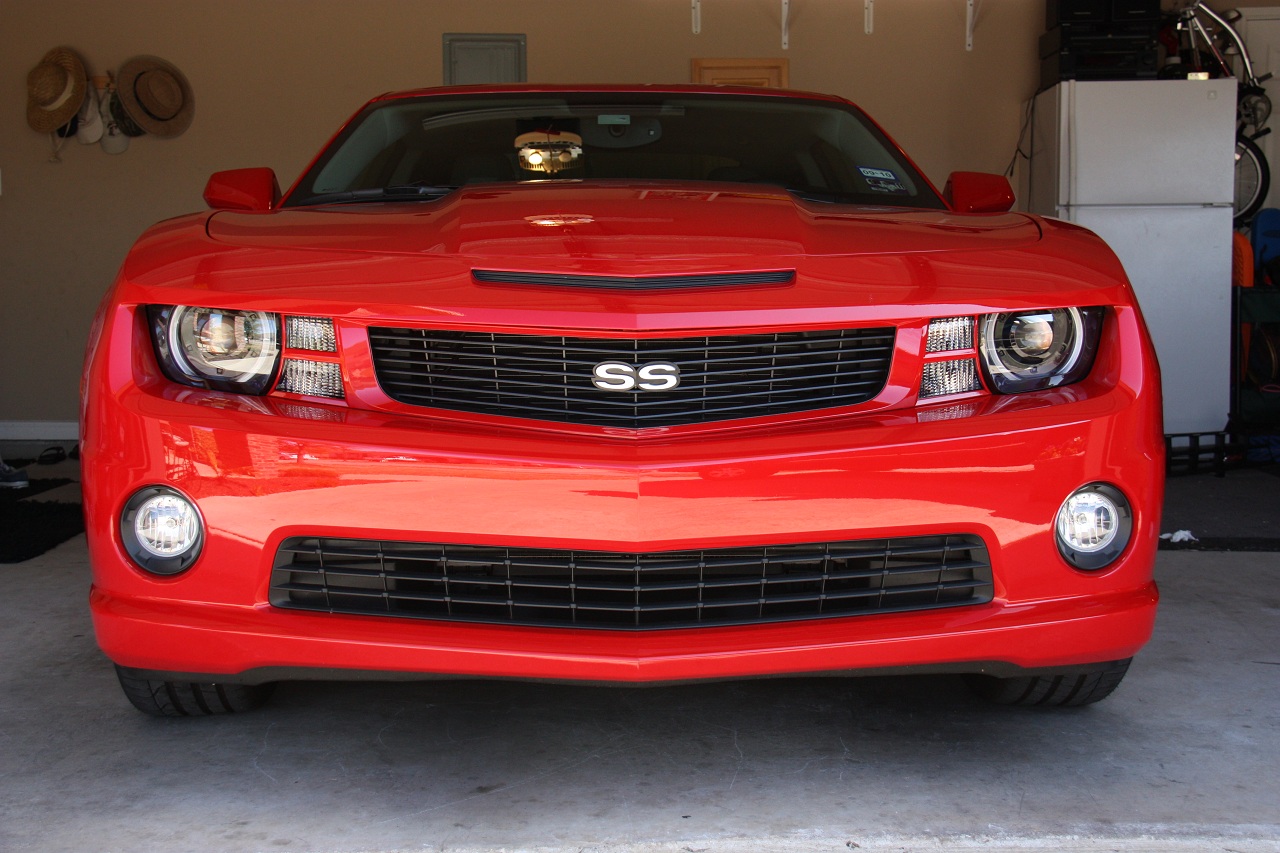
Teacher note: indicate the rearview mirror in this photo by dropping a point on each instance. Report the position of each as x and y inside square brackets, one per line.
[243, 189]
[978, 192]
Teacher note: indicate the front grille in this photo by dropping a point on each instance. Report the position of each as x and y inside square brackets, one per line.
[550, 378]
[595, 589]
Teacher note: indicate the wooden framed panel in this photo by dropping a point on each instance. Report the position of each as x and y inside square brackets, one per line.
[771, 73]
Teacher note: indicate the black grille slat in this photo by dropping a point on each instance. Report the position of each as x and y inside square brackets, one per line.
[627, 591]
[533, 361]
[549, 378]
[744, 366]
[663, 418]
[649, 346]
[463, 394]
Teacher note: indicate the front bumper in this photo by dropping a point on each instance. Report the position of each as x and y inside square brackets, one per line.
[264, 470]
[256, 645]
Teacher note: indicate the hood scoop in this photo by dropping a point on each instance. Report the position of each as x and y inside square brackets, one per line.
[637, 283]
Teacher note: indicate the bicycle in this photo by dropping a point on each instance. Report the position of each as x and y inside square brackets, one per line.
[1198, 46]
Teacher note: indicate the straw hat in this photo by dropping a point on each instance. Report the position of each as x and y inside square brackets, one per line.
[55, 90]
[156, 95]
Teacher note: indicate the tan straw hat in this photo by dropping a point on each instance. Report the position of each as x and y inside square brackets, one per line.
[55, 90]
[156, 95]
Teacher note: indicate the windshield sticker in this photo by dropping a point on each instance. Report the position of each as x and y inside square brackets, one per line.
[883, 181]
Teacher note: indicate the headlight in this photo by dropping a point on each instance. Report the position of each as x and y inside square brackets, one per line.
[1045, 348]
[215, 348]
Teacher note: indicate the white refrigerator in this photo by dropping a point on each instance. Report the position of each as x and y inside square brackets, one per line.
[1149, 166]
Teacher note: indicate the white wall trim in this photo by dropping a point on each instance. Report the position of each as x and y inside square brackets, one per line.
[39, 431]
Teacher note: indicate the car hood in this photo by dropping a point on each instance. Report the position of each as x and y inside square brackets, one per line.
[450, 262]
[587, 223]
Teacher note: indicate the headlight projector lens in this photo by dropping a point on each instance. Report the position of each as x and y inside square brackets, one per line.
[1033, 350]
[162, 530]
[1094, 526]
[236, 351]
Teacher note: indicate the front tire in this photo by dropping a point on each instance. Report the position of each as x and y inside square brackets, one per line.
[190, 698]
[1051, 691]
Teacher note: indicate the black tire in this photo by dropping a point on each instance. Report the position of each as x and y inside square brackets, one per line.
[190, 698]
[1051, 691]
[1253, 180]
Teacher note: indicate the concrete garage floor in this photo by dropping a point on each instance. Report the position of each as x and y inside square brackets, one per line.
[1183, 757]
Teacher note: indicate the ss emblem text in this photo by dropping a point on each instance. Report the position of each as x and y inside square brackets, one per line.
[620, 376]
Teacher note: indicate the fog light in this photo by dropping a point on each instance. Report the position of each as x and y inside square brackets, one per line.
[162, 530]
[1094, 526]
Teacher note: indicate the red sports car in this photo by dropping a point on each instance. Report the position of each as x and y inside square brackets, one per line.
[618, 384]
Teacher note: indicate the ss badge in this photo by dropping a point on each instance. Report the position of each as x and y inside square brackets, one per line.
[620, 376]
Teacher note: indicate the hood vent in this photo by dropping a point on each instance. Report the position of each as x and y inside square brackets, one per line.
[653, 282]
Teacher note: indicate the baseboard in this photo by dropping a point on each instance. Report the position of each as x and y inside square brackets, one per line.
[39, 431]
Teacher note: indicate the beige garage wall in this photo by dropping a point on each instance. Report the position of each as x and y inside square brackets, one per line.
[274, 78]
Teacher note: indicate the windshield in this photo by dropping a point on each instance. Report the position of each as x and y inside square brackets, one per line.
[427, 146]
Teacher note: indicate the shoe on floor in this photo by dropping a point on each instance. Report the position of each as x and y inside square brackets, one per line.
[52, 455]
[12, 478]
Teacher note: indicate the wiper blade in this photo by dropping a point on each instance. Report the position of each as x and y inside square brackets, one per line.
[403, 192]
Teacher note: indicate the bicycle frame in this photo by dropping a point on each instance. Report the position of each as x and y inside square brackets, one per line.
[1190, 16]
[1253, 106]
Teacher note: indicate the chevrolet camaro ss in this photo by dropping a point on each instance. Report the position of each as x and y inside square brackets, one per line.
[618, 385]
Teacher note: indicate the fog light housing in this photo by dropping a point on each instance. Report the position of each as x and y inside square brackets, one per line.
[162, 530]
[1094, 526]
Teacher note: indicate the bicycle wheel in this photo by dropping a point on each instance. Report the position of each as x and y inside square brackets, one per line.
[1253, 179]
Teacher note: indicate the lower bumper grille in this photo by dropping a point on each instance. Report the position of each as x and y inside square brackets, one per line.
[595, 589]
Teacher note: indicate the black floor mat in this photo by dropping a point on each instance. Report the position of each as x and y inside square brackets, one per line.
[29, 528]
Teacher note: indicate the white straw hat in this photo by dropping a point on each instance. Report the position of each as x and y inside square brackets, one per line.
[55, 90]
